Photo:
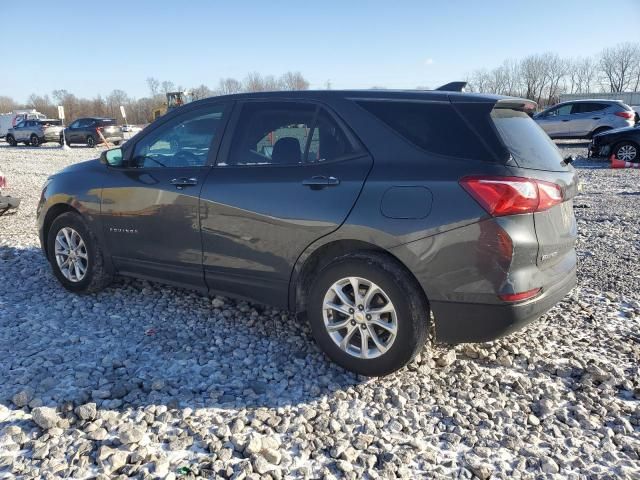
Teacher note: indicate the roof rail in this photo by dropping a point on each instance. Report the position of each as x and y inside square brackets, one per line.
[452, 87]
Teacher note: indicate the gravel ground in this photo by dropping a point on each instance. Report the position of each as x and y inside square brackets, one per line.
[155, 382]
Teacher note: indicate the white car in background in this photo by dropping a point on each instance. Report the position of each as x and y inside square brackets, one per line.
[131, 128]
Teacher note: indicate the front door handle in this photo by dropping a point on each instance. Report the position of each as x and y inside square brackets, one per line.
[182, 182]
[566, 120]
[596, 118]
[320, 181]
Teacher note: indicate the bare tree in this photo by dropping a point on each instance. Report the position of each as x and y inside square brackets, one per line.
[114, 100]
[533, 70]
[618, 66]
[42, 104]
[294, 81]
[154, 85]
[556, 70]
[200, 92]
[581, 74]
[7, 104]
[167, 86]
[271, 84]
[253, 82]
[227, 86]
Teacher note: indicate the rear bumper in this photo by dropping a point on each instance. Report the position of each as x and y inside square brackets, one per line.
[471, 322]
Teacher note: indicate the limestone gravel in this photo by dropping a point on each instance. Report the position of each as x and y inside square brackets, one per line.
[149, 381]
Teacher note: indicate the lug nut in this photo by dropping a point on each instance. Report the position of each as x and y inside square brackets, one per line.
[353, 322]
[351, 310]
[360, 307]
[368, 316]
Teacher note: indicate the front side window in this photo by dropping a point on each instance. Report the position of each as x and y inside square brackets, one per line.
[286, 133]
[562, 110]
[182, 142]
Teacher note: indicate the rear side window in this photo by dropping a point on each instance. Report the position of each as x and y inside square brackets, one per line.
[530, 146]
[434, 127]
[588, 107]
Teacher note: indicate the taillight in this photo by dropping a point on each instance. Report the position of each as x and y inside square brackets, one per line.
[501, 196]
[625, 114]
[520, 296]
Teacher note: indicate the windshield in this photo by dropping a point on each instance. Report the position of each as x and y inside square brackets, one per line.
[529, 145]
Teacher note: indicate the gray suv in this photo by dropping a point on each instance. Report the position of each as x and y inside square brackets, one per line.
[584, 118]
[363, 211]
[35, 132]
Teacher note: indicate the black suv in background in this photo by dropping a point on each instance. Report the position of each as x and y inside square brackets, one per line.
[365, 210]
[85, 131]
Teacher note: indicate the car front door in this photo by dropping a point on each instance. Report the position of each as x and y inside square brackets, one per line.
[557, 121]
[150, 205]
[18, 131]
[288, 175]
[72, 132]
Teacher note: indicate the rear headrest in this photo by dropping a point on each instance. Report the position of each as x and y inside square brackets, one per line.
[286, 150]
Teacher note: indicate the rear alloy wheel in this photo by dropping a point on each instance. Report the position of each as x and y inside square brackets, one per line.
[627, 152]
[368, 314]
[35, 141]
[91, 142]
[11, 141]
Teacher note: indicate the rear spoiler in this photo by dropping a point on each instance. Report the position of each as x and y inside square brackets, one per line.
[452, 87]
[521, 104]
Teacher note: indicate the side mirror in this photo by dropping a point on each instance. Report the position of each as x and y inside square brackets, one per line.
[569, 159]
[112, 158]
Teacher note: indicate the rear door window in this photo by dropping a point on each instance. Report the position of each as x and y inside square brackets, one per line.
[587, 107]
[529, 145]
[286, 133]
[431, 126]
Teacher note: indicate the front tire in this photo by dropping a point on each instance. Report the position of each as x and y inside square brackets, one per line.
[91, 142]
[368, 314]
[75, 255]
[11, 141]
[627, 152]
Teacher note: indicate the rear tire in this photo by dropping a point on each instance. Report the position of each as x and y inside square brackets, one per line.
[376, 343]
[91, 276]
[11, 141]
[627, 151]
[91, 142]
[598, 130]
[35, 141]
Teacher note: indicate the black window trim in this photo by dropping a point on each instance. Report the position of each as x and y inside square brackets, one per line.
[225, 149]
[214, 147]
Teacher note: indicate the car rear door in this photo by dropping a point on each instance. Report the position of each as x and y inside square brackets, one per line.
[585, 117]
[150, 208]
[288, 175]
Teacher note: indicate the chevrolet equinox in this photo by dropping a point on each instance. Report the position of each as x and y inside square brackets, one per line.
[372, 213]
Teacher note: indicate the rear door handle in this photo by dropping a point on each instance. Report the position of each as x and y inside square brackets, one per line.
[182, 182]
[596, 118]
[321, 181]
[567, 120]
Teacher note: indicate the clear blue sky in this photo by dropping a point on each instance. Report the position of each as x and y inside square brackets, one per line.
[354, 44]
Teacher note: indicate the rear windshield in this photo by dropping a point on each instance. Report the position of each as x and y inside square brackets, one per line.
[108, 121]
[529, 145]
[434, 127]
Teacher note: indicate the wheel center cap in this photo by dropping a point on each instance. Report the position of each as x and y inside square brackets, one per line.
[359, 317]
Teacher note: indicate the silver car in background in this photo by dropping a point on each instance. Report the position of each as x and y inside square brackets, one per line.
[584, 118]
[35, 132]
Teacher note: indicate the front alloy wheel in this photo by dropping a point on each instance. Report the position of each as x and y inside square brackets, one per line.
[71, 254]
[627, 152]
[360, 318]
